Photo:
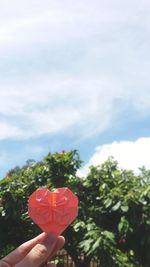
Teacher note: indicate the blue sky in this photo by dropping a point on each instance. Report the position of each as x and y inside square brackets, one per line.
[75, 75]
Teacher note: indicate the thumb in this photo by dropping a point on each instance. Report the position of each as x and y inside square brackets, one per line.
[39, 253]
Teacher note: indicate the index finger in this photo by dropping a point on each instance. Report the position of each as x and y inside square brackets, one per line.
[19, 253]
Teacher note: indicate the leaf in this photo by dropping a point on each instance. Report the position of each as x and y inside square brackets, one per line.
[104, 186]
[96, 244]
[124, 208]
[117, 206]
[86, 244]
[78, 225]
[108, 202]
[123, 226]
[109, 235]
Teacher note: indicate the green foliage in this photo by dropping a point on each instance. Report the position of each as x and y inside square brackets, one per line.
[120, 207]
[113, 224]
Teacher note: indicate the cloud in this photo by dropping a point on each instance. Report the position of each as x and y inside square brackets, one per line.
[48, 105]
[73, 67]
[51, 22]
[53, 105]
[8, 131]
[129, 154]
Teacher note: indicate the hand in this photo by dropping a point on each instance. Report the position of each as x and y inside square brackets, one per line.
[35, 252]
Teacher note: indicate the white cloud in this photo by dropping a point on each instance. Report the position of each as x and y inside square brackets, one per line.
[53, 22]
[65, 65]
[54, 105]
[129, 154]
[8, 131]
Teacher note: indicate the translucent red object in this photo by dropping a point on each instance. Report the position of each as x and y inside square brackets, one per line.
[53, 211]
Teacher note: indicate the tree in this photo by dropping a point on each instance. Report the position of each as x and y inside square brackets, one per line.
[119, 212]
[113, 225]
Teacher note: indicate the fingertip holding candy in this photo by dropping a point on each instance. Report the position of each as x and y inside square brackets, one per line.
[53, 211]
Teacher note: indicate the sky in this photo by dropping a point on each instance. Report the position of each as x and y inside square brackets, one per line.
[75, 75]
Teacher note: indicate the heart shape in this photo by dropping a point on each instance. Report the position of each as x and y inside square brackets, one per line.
[53, 211]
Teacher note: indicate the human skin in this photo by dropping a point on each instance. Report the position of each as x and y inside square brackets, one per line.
[35, 252]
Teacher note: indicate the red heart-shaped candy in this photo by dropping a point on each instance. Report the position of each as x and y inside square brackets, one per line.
[53, 211]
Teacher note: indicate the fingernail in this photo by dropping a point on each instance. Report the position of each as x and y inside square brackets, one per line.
[51, 238]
